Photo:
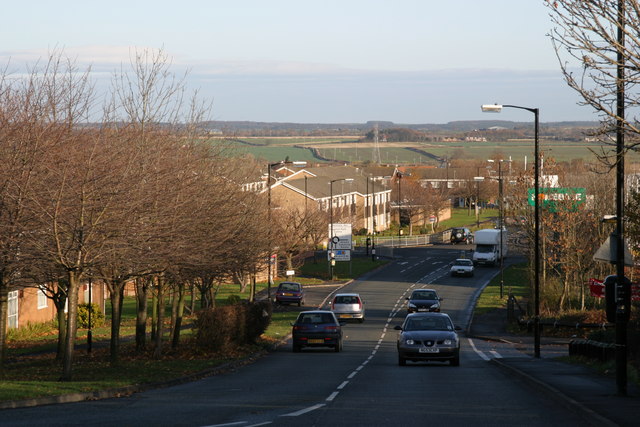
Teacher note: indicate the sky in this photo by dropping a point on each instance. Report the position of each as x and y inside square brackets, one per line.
[330, 61]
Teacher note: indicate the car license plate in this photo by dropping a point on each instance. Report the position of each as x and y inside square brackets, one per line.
[422, 309]
[288, 294]
[342, 316]
[429, 350]
[316, 341]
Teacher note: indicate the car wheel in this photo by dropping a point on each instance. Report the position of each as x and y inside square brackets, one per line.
[338, 347]
[299, 303]
[402, 361]
[361, 320]
[296, 348]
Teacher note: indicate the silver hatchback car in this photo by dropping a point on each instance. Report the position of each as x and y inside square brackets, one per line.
[348, 306]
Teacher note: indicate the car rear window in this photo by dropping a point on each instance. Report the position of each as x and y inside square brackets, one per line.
[346, 299]
[289, 287]
[316, 318]
[423, 295]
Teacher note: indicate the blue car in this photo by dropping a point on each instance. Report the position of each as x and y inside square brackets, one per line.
[317, 328]
[290, 293]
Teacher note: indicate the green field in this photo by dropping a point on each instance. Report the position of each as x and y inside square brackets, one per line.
[346, 149]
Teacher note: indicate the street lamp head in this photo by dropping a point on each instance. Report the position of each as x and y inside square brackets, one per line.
[491, 108]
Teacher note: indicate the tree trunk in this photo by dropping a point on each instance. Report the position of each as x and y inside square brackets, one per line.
[60, 302]
[142, 291]
[154, 310]
[160, 318]
[72, 325]
[175, 289]
[192, 303]
[116, 292]
[179, 314]
[4, 309]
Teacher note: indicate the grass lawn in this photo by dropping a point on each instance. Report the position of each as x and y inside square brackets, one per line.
[515, 281]
[34, 372]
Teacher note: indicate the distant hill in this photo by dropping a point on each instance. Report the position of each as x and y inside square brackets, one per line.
[229, 127]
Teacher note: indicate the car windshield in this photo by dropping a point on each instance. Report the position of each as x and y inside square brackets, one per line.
[427, 324]
[289, 287]
[466, 262]
[484, 248]
[316, 318]
[424, 295]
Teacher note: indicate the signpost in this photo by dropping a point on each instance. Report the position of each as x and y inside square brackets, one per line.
[340, 243]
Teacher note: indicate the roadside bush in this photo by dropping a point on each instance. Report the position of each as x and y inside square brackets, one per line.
[97, 317]
[361, 232]
[226, 327]
[233, 299]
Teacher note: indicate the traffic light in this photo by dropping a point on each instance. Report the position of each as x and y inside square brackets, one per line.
[618, 299]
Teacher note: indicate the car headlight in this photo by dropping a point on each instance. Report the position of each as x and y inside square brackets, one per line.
[409, 342]
[436, 305]
[447, 342]
[412, 305]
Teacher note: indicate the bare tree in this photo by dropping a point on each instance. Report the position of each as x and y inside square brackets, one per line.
[587, 33]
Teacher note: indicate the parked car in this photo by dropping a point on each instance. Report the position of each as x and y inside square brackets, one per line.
[290, 293]
[317, 328]
[462, 267]
[423, 300]
[461, 235]
[428, 336]
[348, 306]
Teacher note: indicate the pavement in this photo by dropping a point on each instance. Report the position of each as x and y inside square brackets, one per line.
[589, 394]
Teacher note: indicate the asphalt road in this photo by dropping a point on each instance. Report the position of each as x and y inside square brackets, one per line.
[363, 385]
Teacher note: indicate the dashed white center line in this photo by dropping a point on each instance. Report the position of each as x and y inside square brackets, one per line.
[496, 354]
[343, 385]
[304, 411]
[332, 396]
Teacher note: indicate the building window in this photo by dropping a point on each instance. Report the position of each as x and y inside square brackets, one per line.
[42, 299]
[12, 316]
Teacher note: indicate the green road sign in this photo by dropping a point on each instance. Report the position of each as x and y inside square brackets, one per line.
[549, 198]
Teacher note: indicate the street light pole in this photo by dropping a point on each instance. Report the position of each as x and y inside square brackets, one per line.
[500, 224]
[478, 199]
[269, 167]
[496, 108]
[399, 176]
[373, 215]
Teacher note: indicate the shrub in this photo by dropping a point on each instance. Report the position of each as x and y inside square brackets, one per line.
[233, 299]
[223, 328]
[97, 317]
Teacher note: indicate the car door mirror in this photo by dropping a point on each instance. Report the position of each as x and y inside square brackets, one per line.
[457, 328]
[397, 328]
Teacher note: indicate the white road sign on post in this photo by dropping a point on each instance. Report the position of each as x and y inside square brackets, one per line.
[341, 236]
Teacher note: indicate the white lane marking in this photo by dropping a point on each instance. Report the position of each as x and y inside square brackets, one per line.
[341, 386]
[261, 424]
[352, 374]
[303, 411]
[495, 354]
[478, 352]
[332, 396]
[237, 423]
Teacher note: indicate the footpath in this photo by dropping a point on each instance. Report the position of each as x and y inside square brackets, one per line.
[589, 394]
